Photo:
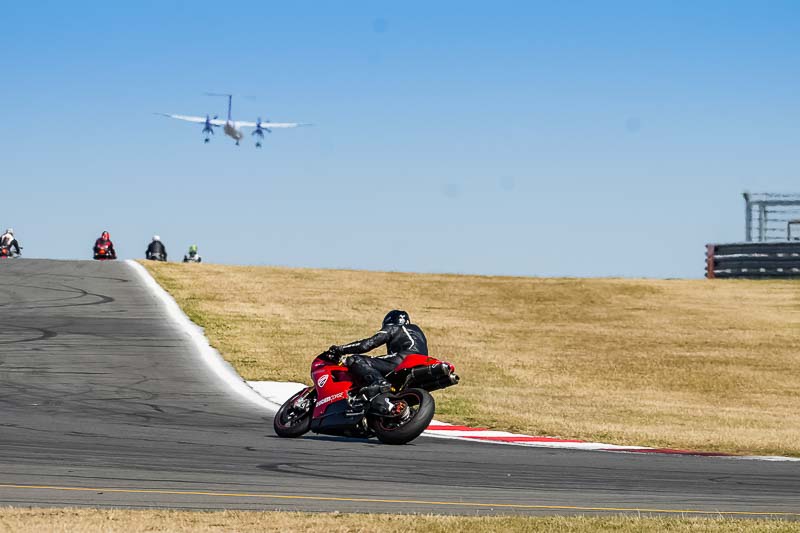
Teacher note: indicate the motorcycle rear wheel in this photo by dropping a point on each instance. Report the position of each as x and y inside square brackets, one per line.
[402, 430]
[292, 422]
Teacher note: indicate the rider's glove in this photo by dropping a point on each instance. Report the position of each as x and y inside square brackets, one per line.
[335, 350]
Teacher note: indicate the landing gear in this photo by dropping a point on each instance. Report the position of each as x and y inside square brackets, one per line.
[206, 140]
[258, 145]
[237, 143]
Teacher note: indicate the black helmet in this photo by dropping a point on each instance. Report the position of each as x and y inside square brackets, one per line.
[395, 317]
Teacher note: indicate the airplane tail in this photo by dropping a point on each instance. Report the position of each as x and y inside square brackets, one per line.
[230, 97]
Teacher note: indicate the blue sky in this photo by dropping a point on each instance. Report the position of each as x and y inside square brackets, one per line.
[526, 138]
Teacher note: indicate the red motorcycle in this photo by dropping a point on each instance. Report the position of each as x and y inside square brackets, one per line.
[6, 253]
[334, 406]
[103, 252]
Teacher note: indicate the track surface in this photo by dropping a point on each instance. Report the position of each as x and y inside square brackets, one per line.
[104, 402]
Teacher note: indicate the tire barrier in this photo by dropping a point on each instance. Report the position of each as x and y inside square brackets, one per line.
[753, 260]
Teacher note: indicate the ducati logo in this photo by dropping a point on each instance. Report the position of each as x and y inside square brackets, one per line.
[322, 381]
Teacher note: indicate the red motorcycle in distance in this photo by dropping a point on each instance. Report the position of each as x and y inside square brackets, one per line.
[102, 252]
[334, 406]
[6, 253]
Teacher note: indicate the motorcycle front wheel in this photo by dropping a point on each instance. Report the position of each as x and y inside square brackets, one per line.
[415, 408]
[294, 417]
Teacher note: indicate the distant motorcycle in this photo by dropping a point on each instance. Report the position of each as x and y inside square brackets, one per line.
[103, 252]
[333, 405]
[6, 253]
[192, 256]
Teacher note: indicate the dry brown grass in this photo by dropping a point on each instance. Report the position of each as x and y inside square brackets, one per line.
[124, 521]
[699, 364]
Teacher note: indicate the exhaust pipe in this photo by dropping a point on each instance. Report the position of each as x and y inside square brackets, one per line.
[430, 373]
[440, 383]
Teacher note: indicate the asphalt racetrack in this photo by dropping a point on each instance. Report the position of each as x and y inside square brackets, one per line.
[105, 402]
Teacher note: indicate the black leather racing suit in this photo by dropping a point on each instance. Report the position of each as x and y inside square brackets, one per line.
[156, 247]
[400, 341]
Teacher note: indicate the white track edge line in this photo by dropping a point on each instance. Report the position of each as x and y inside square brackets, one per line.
[208, 354]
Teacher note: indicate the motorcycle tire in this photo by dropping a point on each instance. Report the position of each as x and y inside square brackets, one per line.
[391, 430]
[289, 423]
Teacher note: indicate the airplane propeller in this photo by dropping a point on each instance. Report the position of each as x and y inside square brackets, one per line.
[260, 129]
[208, 127]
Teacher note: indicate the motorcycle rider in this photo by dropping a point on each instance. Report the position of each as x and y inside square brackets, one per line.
[401, 337]
[8, 240]
[192, 256]
[155, 249]
[105, 240]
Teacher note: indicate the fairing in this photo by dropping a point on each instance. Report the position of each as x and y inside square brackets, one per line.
[332, 382]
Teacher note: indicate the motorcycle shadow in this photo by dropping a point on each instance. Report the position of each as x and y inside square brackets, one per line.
[335, 438]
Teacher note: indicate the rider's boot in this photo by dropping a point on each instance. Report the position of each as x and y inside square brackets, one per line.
[379, 386]
[374, 393]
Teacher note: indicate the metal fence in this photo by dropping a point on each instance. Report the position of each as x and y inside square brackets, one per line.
[771, 217]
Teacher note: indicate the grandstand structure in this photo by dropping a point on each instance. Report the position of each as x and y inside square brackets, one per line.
[771, 248]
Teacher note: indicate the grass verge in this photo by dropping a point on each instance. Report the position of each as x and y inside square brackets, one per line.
[123, 521]
[708, 365]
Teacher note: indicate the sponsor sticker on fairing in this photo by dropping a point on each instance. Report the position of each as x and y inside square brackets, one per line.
[329, 399]
[322, 380]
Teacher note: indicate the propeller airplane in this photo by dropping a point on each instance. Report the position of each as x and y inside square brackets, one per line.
[233, 128]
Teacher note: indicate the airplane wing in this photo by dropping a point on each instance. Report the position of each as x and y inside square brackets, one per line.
[198, 120]
[270, 125]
